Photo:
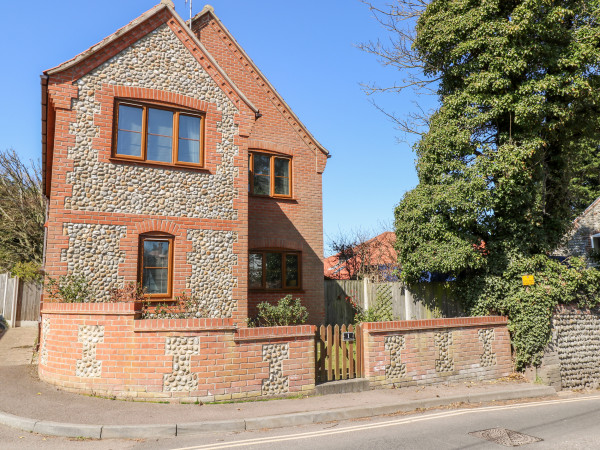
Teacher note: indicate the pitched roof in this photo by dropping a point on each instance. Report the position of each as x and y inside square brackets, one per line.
[211, 11]
[379, 251]
[585, 213]
[164, 4]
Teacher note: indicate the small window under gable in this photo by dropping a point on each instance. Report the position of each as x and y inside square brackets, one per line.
[595, 240]
[270, 175]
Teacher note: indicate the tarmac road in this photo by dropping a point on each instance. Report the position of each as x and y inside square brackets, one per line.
[568, 423]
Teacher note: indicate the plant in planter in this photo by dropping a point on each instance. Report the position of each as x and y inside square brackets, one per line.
[184, 307]
[130, 292]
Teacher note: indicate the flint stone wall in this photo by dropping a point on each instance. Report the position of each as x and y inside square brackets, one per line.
[94, 253]
[572, 358]
[158, 61]
[212, 280]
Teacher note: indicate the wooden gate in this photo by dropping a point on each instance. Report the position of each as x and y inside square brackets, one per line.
[338, 358]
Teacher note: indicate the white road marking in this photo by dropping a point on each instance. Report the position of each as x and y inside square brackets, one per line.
[405, 420]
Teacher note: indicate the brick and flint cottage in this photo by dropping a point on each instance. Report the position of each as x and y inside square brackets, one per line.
[583, 239]
[171, 161]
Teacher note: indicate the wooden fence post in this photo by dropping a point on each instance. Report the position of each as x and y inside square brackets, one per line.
[15, 303]
[5, 276]
[408, 303]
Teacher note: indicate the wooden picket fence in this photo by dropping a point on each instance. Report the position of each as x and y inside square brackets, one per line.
[337, 359]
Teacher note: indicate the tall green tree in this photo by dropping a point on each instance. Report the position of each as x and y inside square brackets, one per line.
[511, 155]
[22, 213]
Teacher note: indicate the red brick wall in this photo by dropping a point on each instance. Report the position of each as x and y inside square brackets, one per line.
[295, 224]
[416, 357]
[229, 363]
[132, 357]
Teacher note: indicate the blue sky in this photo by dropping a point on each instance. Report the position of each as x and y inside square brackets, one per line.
[306, 49]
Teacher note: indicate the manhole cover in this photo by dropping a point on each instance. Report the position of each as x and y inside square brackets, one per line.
[505, 437]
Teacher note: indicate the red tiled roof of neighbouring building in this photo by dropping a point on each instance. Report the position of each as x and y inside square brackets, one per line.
[380, 252]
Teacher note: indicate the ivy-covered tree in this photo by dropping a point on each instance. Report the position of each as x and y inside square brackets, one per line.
[511, 155]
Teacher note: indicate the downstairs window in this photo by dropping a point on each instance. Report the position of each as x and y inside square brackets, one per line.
[155, 272]
[274, 270]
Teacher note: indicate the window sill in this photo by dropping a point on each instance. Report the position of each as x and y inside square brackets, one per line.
[276, 291]
[159, 165]
[269, 197]
[159, 299]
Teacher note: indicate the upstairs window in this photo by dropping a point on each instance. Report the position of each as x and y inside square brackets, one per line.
[158, 134]
[276, 270]
[269, 175]
[155, 272]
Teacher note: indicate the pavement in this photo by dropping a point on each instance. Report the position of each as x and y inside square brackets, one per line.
[32, 405]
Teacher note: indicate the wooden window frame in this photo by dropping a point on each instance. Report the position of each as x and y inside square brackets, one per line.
[283, 253]
[156, 236]
[272, 157]
[175, 138]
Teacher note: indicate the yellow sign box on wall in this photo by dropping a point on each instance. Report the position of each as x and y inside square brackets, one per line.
[528, 280]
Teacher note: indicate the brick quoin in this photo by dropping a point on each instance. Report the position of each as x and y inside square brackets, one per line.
[292, 224]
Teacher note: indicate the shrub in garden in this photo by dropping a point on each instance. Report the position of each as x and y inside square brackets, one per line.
[286, 312]
[27, 272]
[3, 324]
[69, 289]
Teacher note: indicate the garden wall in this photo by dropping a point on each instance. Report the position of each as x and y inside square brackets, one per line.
[417, 352]
[101, 349]
[572, 357]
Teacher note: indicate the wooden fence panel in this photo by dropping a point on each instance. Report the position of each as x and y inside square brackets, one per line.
[29, 302]
[19, 301]
[338, 309]
[399, 300]
[425, 301]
